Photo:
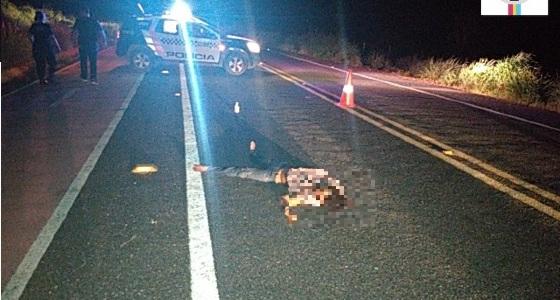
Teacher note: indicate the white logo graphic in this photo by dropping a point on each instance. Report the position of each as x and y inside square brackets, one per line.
[514, 7]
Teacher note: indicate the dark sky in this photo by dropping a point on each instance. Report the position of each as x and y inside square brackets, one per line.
[399, 27]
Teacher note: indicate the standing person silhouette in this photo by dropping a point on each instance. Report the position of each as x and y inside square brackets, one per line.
[44, 45]
[88, 31]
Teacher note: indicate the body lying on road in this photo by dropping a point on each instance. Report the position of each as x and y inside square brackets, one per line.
[307, 187]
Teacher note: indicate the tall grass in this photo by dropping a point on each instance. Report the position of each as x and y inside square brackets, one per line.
[16, 56]
[378, 61]
[328, 47]
[516, 77]
[16, 46]
[445, 71]
[551, 91]
[21, 16]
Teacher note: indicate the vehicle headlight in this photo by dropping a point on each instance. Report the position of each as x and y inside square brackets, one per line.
[253, 47]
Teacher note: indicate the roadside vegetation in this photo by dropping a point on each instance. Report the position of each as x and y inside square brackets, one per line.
[16, 57]
[517, 78]
[321, 46]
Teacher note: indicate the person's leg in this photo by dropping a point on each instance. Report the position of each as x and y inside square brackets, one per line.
[247, 173]
[40, 65]
[51, 60]
[83, 63]
[93, 64]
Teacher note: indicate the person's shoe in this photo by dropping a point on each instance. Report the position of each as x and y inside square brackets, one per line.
[94, 82]
[43, 82]
[200, 168]
[84, 79]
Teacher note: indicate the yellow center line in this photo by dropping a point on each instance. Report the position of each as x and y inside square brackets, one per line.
[363, 114]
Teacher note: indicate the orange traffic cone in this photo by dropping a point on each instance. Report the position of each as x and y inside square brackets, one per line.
[347, 97]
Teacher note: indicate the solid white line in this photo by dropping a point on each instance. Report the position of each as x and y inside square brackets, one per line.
[57, 71]
[428, 93]
[19, 280]
[530, 201]
[203, 274]
[457, 153]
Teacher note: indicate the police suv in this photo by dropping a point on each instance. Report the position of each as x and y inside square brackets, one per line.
[148, 40]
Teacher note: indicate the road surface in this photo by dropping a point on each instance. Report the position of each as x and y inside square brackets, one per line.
[456, 195]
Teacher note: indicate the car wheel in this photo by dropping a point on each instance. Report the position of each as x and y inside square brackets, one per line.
[236, 63]
[141, 59]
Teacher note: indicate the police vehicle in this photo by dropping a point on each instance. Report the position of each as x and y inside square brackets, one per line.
[148, 40]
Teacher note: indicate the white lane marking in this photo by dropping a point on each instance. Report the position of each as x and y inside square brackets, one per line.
[475, 161]
[19, 280]
[530, 201]
[58, 71]
[429, 94]
[203, 274]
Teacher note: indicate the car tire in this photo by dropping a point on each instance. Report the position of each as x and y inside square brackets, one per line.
[236, 63]
[141, 59]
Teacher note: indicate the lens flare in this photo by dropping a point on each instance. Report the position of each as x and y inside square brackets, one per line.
[180, 11]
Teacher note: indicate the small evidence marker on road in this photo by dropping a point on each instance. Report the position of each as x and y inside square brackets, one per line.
[144, 169]
[178, 94]
[164, 71]
[236, 107]
[448, 152]
[252, 146]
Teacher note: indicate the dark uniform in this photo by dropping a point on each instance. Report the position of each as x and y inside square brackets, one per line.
[88, 30]
[43, 52]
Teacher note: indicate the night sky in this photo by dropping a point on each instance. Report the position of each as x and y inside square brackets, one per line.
[397, 27]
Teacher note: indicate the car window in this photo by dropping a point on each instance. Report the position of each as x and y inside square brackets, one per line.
[168, 27]
[143, 25]
[198, 31]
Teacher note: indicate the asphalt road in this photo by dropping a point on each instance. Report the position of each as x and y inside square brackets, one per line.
[420, 228]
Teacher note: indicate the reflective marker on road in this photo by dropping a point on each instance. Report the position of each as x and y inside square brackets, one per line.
[177, 94]
[252, 146]
[144, 169]
[15, 287]
[164, 72]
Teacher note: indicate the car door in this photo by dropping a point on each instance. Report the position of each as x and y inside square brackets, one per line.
[205, 43]
[167, 40]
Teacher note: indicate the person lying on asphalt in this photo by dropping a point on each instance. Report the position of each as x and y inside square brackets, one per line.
[307, 187]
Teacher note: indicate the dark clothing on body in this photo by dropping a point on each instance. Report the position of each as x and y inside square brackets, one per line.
[88, 54]
[42, 35]
[248, 173]
[42, 59]
[88, 30]
[42, 49]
